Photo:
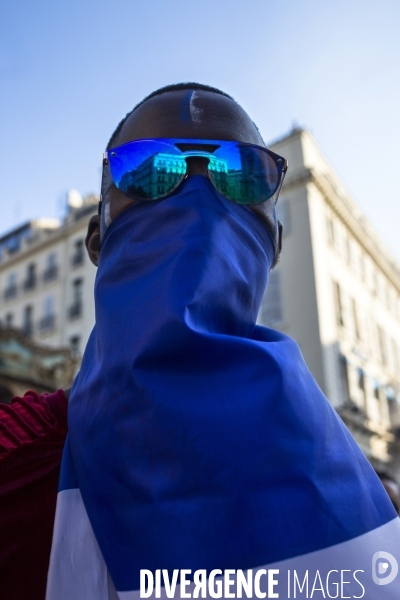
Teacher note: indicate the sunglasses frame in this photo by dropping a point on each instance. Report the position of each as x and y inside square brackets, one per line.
[193, 153]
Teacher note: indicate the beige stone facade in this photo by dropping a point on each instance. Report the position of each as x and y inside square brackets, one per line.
[336, 291]
[47, 280]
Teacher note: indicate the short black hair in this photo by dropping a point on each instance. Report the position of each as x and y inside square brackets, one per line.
[175, 87]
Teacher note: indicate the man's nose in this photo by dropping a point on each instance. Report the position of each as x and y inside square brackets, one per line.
[197, 165]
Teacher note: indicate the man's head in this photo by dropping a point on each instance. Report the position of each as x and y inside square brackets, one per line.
[188, 110]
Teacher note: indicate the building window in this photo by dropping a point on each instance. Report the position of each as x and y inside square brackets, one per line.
[47, 322]
[28, 321]
[361, 383]
[283, 215]
[390, 393]
[30, 281]
[354, 252]
[369, 273]
[271, 307]
[11, 289]
[377, 387]
[75, 342]
[347, 250]
[14, 243]
[375, 283]
[382, 345]
[51, 271]
[331, 231]
[338, 303]
[362, 267]
[395, 355]
[79, 254]
[9, 318]
[345, 377]
[355, 319]
[388, 297]
[393, 307]
[75, 310]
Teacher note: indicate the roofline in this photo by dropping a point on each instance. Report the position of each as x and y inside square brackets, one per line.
[45, 223]
[17, 229]
[296, 130]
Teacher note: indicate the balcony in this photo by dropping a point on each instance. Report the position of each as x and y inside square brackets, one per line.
[77, 259]
[10, 292]
[47, 323]
[75, 311]
[29, 284]
[50, 274]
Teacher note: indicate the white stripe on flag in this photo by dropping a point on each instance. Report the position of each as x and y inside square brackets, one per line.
[78, 571]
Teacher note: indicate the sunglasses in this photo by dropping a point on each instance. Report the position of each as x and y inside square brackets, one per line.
[151, 169]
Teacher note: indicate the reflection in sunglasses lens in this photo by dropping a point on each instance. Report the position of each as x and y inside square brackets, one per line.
[152, 169]
[155, 177]
[254, 180]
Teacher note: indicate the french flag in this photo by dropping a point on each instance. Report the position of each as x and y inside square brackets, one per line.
[199, 440]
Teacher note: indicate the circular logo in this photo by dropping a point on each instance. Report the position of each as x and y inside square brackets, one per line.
[380, 567]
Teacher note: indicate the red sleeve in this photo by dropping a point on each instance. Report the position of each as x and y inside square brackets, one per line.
[32, 435]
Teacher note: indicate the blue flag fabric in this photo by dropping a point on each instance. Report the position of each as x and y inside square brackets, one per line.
[197, 439]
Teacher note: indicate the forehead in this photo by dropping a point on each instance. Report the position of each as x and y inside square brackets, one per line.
[191, 114]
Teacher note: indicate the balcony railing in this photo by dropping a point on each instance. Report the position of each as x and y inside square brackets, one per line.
[47, 323]
[29, 284]
[77, 259]
[10, 292]
[50, 273]
[75, 311]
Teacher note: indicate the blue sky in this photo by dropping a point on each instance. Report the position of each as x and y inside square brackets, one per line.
[70, 71]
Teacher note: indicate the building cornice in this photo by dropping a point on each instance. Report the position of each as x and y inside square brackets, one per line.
[46, 240]
[351, 215]
[294, 132]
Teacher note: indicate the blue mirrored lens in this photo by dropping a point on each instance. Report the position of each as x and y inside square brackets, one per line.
[146, 169]
[244, 173]
[152, 169]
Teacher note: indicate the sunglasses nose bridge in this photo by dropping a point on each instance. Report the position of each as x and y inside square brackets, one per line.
[196, 153]
[197, 164]
[152, 169]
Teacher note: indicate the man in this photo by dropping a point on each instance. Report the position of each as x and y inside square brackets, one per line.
[198, 440]
[186, 110]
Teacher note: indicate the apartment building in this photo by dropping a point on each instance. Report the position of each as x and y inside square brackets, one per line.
[47, 279]
[336, 291]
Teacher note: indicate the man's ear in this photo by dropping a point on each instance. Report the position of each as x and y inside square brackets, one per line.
[92, 241]
[278, 245]
[280, 235]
